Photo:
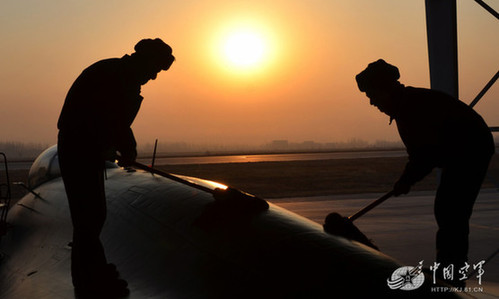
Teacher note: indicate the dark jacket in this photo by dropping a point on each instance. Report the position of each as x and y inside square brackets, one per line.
[100, 108]
[438, 130]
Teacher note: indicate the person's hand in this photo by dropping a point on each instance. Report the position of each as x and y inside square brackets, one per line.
[110, 155]
[126, 158]
[401, 188]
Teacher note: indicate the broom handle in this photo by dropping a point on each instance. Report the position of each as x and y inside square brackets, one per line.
[171, 177]
[371, 206]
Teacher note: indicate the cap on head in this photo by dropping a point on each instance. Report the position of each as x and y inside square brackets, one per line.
[156, 51]
[378, 74]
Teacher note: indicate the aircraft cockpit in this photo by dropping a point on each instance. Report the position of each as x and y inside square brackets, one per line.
[46, 168]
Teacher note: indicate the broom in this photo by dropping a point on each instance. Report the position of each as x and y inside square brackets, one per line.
[338, 225]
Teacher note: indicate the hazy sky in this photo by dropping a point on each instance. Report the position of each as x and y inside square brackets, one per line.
[301, 87]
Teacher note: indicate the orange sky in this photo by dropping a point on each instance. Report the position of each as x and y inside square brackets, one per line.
[303, 90]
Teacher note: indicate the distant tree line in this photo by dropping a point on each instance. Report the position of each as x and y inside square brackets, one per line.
[16, 151]
[351, 144]
[182, 148]
[19, 151]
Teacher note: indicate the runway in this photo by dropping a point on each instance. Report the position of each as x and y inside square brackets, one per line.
[404, 228]
[276, 157]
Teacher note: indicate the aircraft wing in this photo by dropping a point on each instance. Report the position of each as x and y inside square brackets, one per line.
[170, 241]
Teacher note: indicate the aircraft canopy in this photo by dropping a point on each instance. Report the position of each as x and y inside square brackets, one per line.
[46, 167]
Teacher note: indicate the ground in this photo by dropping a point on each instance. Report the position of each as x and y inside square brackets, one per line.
[275, 180]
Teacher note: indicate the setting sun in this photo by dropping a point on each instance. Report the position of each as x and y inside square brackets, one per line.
[244, 49]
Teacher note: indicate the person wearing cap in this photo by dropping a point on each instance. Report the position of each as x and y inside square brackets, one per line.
[94, 126]
[438, 131]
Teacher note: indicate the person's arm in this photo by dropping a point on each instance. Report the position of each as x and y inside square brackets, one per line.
[121, 101]
[418, 166]
[127, 147]
[123, 134]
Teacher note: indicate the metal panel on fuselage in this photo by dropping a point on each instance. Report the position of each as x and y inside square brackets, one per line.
[154, 235]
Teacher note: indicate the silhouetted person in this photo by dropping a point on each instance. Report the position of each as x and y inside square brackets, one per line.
[438, 131]
[94, 126]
